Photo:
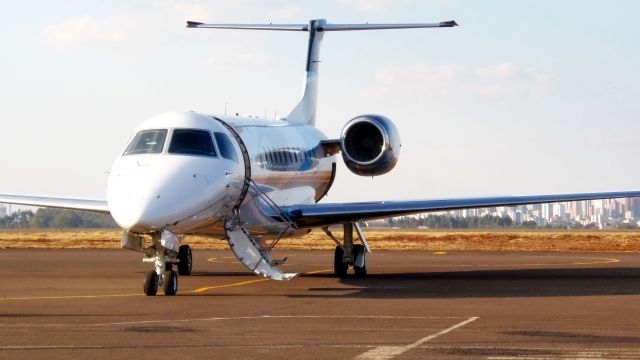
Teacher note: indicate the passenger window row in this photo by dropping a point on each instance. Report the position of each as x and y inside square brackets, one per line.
[285, 156]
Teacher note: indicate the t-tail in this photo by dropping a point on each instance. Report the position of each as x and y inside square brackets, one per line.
[305, 111]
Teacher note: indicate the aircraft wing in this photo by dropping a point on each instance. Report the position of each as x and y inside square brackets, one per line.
[313, 215]
[98, 206]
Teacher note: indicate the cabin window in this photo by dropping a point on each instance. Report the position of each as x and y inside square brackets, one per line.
[192, 142]
[226, 147]
[147, 142]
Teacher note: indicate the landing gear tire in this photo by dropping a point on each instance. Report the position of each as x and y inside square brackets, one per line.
[170, 284]
[186, 260]
[360, 258]
[339, 268]
[150, 285]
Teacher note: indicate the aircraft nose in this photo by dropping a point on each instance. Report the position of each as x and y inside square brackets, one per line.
[146, 198]
[129, 208]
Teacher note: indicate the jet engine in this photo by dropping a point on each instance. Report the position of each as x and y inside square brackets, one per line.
[370, 145]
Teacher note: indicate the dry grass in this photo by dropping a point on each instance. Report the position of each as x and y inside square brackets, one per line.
[433, 240]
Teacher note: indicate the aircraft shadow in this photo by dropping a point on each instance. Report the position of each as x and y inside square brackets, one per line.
[485, 284]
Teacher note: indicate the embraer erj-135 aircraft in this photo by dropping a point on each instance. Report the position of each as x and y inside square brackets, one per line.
[255, 181]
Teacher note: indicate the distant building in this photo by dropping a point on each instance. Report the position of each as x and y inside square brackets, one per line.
[628, 205]
[635, 207]
[559, 210]
[547, 211]
[3, 211]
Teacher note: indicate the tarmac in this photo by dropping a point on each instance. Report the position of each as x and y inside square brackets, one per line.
[413, 305]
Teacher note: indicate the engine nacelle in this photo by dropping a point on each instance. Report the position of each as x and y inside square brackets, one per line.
[370, 145]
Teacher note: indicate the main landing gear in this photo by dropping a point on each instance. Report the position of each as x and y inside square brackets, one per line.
[164, 252]
[349, 254]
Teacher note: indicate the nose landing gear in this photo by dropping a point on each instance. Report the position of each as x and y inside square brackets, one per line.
[163, 253]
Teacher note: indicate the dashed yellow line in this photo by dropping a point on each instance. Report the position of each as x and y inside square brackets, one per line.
[317, 272]
[440, 253]
[249, 282]
[599, 262]
[199, 290]
[69, 297]
[227, 285]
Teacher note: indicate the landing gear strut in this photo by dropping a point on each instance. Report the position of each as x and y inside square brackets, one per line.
[163, 253]
[349, 254]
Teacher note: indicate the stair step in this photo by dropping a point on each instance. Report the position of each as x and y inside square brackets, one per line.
[251, 255]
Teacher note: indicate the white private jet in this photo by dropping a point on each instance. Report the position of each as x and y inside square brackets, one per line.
[254, 181]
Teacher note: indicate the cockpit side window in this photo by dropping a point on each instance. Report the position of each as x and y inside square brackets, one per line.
[226, 147]
[147, 142]
[191, 142]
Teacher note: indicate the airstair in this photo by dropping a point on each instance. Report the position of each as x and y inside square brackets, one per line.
[251, 253]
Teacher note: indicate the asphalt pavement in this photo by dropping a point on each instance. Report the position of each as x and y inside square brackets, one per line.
[412, 305]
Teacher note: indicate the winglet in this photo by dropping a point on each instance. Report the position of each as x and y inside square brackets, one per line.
[451, 23]
[193, 24]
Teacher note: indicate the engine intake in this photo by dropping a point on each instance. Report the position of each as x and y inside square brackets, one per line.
[370, 145]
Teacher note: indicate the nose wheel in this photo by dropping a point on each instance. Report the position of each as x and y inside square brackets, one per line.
[150, 285]
[163, 258]
[170, 283]
[186, 260]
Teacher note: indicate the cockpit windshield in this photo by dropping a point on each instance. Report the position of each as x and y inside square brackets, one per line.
[147, 142]
[192, 142]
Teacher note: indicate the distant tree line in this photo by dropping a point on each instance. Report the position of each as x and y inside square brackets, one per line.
[46, 218]
[485, 222]
[451, 222]
[56, 219]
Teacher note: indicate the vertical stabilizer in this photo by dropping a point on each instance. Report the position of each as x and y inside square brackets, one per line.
[305, 111]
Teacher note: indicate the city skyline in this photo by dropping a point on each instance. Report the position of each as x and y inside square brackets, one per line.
[602, 213]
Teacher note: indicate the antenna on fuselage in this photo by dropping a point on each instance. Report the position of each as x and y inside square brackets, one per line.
[305, 110]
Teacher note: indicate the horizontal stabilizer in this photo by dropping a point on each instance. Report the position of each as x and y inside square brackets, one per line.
[347, 27]
[282, 27]
[321, 27]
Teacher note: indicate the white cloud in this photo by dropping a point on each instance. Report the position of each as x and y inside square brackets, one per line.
[82, 30]
[499, 80]
[131, 26]
[159, 22]
[373, 6]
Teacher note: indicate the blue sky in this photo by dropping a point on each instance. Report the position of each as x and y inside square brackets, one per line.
[524, 97]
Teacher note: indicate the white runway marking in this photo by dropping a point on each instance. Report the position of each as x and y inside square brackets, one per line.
[388, 352]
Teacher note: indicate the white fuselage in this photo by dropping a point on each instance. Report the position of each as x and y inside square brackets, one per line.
[194, 193]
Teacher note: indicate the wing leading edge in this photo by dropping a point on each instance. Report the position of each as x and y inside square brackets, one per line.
[98, 206]
[327, 214]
